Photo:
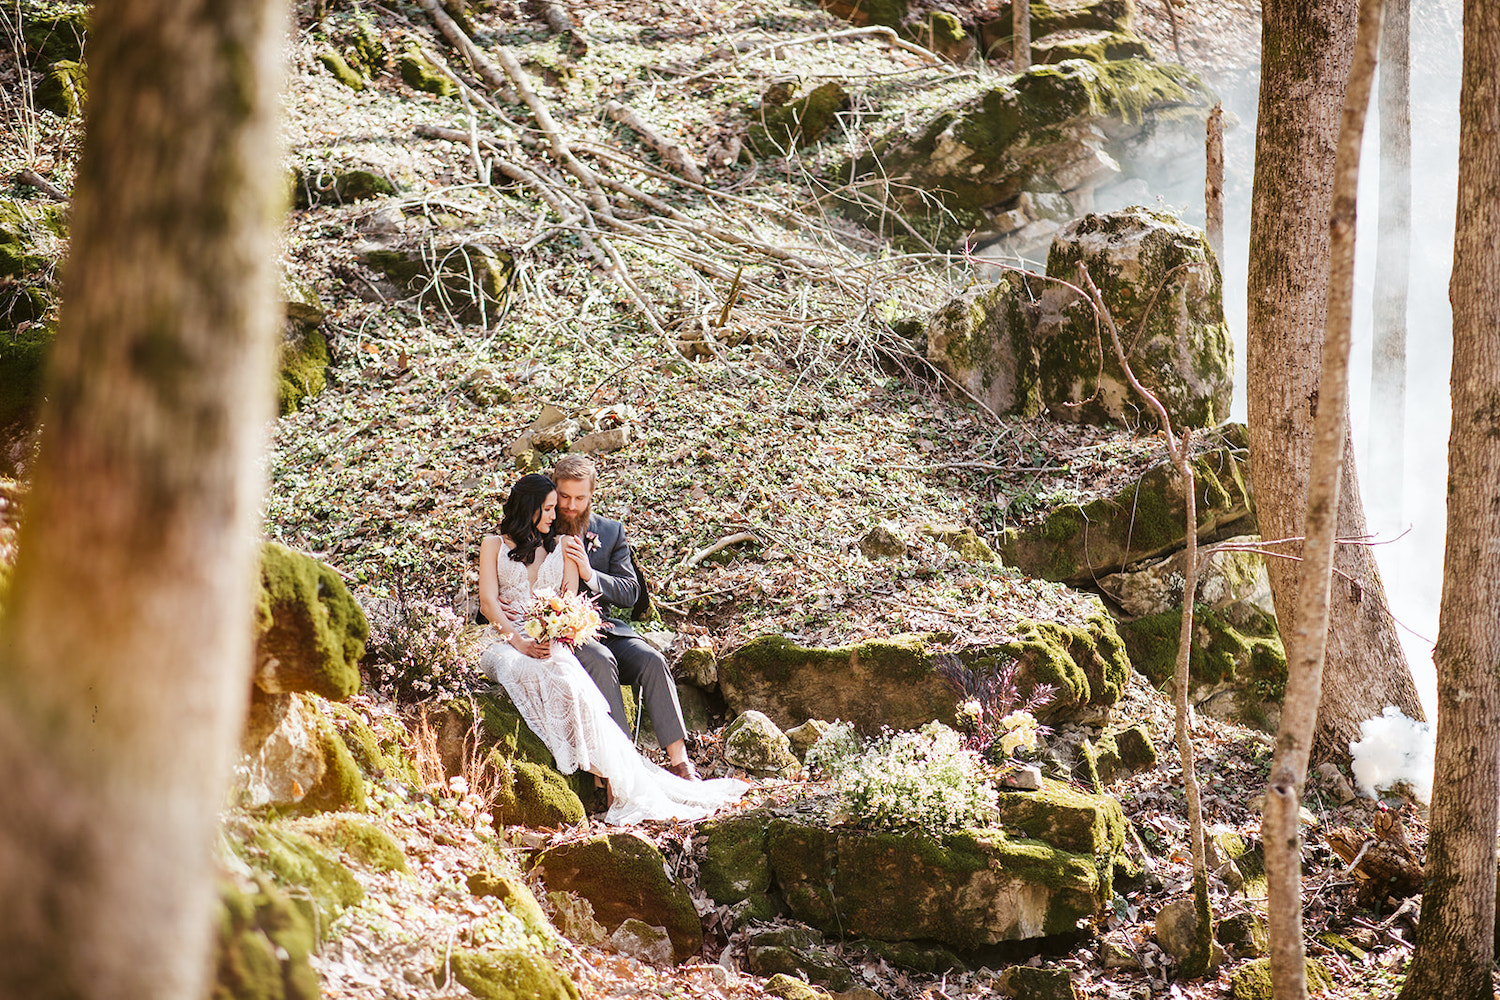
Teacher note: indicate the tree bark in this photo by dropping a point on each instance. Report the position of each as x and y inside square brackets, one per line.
[1213, 182]
[1307, 50]
[1392, 268]
[1281, 825]
[125, 653]
[1455, 939]
[1021, 27]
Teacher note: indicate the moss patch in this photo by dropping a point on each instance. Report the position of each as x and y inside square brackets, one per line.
[342, 787]
[420, 73]
[304, 370]
[324, 886]
[262, 946]
[509, 974]
[309, 624]
[1252, 981]
[337, 186]
[1086, 664]
[735, 865]
[357, 838]
[1065, 817]
[1239, 646]
[517, 898]
[783, 125]
[533, 795]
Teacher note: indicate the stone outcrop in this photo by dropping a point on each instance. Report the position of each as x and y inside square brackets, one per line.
[1077, 543]
[1226, 575]
[624, 876]
[310, 632]
[295, 758]
[1160, 281]
[1016, 163]
[469, 280]
[983, 340]
[755, 743]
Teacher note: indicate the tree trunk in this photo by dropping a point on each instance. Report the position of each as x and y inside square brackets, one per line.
[1213, 183]
[125, 656]
[1021, 26]
[1455, 939]
[1307, 53]
[1281, 825]
[1392, 269]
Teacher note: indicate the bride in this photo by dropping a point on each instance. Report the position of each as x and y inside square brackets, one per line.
[553, 692]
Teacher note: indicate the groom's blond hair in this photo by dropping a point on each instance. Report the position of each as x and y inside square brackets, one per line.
[574, 466]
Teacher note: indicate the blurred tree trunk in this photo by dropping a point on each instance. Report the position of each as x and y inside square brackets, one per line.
[1392, 269]
[1455, 939]
[125, 653]
[1307, 50]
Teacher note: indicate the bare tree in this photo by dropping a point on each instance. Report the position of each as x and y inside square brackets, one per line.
[1308, 48]
[1021, 21]
[1455, 939]
[1281, 824]
[124, 659]
[1392, 265]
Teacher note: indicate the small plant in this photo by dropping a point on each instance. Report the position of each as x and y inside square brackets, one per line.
[996, 720]
[417, 650]
[926, 779]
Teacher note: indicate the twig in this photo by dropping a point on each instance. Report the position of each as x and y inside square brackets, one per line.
[672, 153]
[723, 543]
[1172, 17]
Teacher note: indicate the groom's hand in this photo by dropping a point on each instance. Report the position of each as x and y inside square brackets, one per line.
[573, 549]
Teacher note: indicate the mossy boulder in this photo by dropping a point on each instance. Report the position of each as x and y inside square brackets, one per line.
[962, 542]
[332, 185]
[262, 945]
[310, 632]
[931, 959]
[785, 123]
[1095, 46]
[878, 682]
[1049, 16]
[699, 667]
[1065, 817]
[967, 891]
[1114, 754]
[753, 742]
[63, 89]
[623, 875]
[1065, 128]
[1252, 981]
[516, 896]
[356, 838]
[982, 340]
[769, 953]
[295, 757]
[1077, 543]
[508, 974]
[787, 987]
[54, 32]
[734, 866]
[1226, 576]
[320, 885]
[336, 64]
[1237, 665]
[534, 795]
[1035, 983]
[303, 371]
[420, 73]
[470, 281]
[1160, 281]
[378, 755]
[1085, 663]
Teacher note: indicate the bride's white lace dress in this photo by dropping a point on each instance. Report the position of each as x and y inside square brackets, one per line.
[561, 704]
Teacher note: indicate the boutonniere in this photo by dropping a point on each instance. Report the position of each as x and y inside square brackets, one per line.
[591, 541]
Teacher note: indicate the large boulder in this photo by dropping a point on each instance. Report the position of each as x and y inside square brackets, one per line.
[262, 945]
[624, 876]
[1085, 662]
[1078, 543]
[1160, 281]
[471, 281]
[968, 891]
[983, 341]
[1226, 575]
[1019, 160]
[310, 632]
[295, 757]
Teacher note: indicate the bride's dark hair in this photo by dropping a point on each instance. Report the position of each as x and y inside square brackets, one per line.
[519, 521]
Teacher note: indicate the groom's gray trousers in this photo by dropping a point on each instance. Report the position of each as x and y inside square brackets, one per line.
[628, 659]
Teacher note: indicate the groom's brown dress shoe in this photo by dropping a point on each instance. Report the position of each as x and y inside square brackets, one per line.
[685, 770]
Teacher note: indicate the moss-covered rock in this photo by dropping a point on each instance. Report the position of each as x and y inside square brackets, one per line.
[310, 632]
[1077, 543]
[341, 787]
[379, 755]
[1160, 281]
[303, 372]
[699, 667]
[530, 794]
[1085, 664]
[1056, 128]
[734, 865]
[1246, 936]
[295, 757]
[1066, 818]
[784, 124]
[1237, 664]
[1121, 752]
[361, 840]
[969, 890]
[63, 89]
[262, 946]
[420, 73]
[982, 340]
[337, 186]
[1252, 981]
[471, 281]
[322, 886]
[508, 974]
[963, 542]
[623, 875]
[1095, 46]
[812, 964]
[518, 899]
[878, 682]
[336, 64]
[788, 987]
[753, 742]
[915, 956]
[1225, 574]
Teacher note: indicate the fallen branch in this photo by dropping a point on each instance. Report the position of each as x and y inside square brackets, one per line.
[483, 64]
[561, 22]
[32, 178]
[672, 153]
[723, 543]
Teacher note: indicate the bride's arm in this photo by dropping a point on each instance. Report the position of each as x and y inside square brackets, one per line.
[489, 582]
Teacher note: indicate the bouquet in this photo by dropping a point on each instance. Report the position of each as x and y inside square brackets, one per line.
[571, 619]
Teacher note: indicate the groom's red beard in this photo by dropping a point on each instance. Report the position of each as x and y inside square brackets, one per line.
[566, 525]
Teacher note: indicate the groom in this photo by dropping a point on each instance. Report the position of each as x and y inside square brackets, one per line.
[619, 654]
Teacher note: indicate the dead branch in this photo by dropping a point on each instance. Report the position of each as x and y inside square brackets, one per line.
[1172, 17]
[33, 179]
[723, 543]
[889, 34]
[1021, 29]
[561, 22]
[672, 153]
[483, 64]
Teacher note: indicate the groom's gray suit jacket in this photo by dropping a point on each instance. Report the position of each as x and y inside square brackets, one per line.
[614, 581]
